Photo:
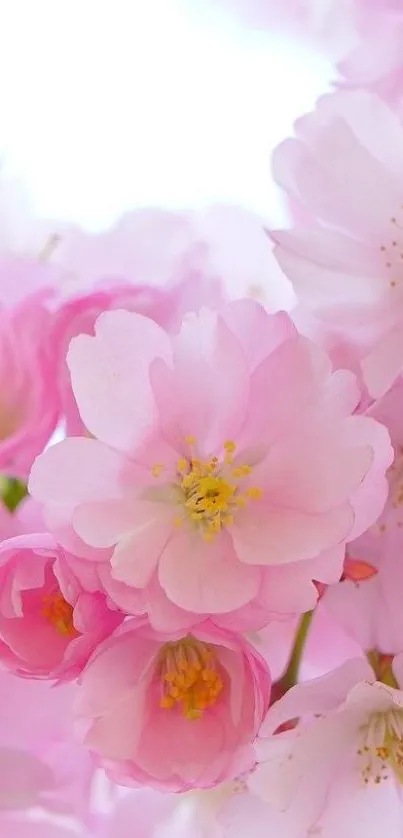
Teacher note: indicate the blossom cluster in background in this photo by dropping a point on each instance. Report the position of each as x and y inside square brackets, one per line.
[201, 483]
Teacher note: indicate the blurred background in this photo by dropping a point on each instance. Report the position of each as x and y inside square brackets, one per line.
[116, 104]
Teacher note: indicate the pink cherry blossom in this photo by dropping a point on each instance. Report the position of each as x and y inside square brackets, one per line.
[347, 268]
[371, 610]
[49, 626]
[29, 406]
[341, 766]
[173, 711]
[226, 472]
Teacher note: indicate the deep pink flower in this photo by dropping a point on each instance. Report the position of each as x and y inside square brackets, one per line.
[340, 767]
[29, 407]
[173, 711]
[227, 470]
[347, 268]
[49, 626]
[371, 610]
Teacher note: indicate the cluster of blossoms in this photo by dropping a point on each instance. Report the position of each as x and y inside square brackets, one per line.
[201, 524]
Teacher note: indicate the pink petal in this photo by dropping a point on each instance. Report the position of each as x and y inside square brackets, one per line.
[75, 470]
[269, 536]
[206, 577]
[110, 376]
[135, 558]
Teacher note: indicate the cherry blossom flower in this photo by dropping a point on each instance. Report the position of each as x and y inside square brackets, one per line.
[233, 444]
[342, 762]
[371, 610]
[29, 404]
[172, 711]
[49, 626]
[347, 267]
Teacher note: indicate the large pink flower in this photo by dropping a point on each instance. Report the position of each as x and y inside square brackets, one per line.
[227, 472]
[339, 771]
[173, 711]
[29, 405]
[49, 626]
[347, 269]
[371, 611]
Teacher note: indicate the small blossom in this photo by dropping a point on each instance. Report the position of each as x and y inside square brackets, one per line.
[171, 711]
[49, 626]
[343, 762]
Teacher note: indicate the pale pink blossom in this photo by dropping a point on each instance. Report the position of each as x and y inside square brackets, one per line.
[371, 611]
[230, 810]
[173, 711]
[148, 809]
[226, 472]
[29, 406]
[347, 268]
[49, 626]
[25, 826]
[375, 61]
[339, 770]
[41, 764]
[221, 249]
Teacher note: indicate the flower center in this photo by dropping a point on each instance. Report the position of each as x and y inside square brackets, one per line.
[189, 677]
[59, 613]
[383, 747]
[211, 490]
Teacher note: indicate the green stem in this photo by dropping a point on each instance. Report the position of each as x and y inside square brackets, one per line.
[290, 677]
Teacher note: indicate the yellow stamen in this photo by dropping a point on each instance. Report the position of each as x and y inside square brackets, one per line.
[157, 469]
[189, 677]
[209, 491]
[59, 613]
[254, 492]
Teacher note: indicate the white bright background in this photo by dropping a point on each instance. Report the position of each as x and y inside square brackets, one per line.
[113, 104]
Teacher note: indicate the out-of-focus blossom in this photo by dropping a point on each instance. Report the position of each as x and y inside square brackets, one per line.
[347, 268]
[200, 253]
[232, 444]
[29, 407]
[375, 61]
[371, 610]
[24, 826]
[49, 626]
[36, 736]
[340, 767]
[171, 711]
